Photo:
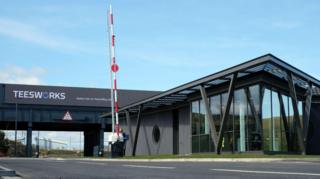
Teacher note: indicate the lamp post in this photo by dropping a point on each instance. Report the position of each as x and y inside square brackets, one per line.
[80, 145]
[38, 145]
[15, 131]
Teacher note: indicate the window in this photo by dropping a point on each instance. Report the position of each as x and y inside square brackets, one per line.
[276, 123]
[201, 141]
[204, 124]
[215, 106]
[273, 127]
[195, 118]
[240, 119]
[287, 101]
[195, 121]
[156, 134]
[254, 125]
[255, 95]
[266, 120]
[242, 131]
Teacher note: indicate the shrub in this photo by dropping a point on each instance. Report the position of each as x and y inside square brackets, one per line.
[4, 143]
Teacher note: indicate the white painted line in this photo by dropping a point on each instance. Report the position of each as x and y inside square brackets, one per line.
[55, 161]
[92, 163]
[4, 168]
[266, 172]
[300, 162]
[6, 172]
[147, 166]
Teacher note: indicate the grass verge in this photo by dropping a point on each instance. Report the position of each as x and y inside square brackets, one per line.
[226, 156]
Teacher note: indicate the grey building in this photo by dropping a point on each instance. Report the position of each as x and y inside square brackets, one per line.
[262, 105]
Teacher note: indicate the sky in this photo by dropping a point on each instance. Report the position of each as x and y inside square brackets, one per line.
[159, 44]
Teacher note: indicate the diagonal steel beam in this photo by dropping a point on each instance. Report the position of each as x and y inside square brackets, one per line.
[285, 122]
[137, 131]
[297, 124]
[205, 99]
[253, 109]
[226, 112]
[129, 127]
[262, 89]
[307, 110]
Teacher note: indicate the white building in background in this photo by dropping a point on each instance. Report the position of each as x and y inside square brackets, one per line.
[49, 144]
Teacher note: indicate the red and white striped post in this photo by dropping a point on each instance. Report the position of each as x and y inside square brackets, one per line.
[114, 69]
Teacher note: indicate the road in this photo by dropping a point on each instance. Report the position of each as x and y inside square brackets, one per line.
[77, 168]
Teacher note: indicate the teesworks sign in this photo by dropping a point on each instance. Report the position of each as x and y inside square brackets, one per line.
[49, 95]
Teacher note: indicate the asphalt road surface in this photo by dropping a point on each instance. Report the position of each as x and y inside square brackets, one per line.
[53, 168]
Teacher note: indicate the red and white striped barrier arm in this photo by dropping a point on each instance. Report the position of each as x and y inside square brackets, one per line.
[114, 68]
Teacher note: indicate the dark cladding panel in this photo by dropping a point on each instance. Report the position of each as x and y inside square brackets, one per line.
[68, 96]
[127, 97]
[1, 93]
[313, 145]
[47, 95]
[9, 115]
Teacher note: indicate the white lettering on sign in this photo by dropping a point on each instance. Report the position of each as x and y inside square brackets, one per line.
[67, 116]
[39, 95]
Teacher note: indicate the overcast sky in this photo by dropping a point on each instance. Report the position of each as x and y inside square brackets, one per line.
[159, 44]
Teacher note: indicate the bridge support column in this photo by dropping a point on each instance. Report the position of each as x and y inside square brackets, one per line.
[91, 142]
[101, 136]
[29, 140]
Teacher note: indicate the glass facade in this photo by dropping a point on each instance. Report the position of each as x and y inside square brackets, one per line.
[287, 101]
[274, 138]
[274, 133]
[243, 131]
[201, 140]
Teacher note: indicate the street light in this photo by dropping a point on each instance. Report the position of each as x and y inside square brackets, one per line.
[15, 133]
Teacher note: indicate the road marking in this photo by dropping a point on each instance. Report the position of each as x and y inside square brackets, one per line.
[300, 162]
[92, 163]
[147, 166]
[54, 161]
[266, 172]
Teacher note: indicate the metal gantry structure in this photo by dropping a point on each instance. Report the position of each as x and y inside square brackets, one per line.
[266, 70]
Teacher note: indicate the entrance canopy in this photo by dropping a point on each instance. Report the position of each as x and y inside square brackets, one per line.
[266, 63]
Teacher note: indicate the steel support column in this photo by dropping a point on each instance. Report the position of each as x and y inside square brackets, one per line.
[297, 124]
[253, 109]
[101, 137]
[226, 112]
[129, 127]
[214, 135]
[137, 131]
[285, 122]
[307, 110]
[29, 140]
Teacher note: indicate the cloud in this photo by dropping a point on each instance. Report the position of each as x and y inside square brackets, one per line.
[19, 75]
[32, 34]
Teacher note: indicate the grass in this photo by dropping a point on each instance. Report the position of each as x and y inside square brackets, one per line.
[74, 154]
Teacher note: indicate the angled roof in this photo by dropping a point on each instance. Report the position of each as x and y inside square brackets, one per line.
[268, 63]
